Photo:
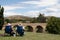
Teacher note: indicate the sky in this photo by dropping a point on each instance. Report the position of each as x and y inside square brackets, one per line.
[31, 8]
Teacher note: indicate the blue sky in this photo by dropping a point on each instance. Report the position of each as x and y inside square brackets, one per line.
[31, 8]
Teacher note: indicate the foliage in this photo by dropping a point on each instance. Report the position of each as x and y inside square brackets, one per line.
[53, 25]
[34, 20]
[40, 19]
[7, 20]
[1, 17]
[14, 20]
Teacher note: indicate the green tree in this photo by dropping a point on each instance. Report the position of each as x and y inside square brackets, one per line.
[34, 20]
[41, 18]
[53, 25]
[7, 20]
[1, 17]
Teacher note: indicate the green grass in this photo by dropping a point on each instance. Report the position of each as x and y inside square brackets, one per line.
[32, 36]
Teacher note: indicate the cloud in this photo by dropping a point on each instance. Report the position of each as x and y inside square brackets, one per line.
[31, 13]
[9, 7]
[41, 2]
[51, 8]
[56, 14]
[9, 13]
[31, 2]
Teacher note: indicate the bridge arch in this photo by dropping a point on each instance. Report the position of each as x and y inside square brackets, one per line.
[39, 29]
[29, 28]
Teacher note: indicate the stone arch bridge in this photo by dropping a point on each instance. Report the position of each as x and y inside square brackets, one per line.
[33, 25]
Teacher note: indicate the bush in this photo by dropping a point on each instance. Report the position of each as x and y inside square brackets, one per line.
[53, 25]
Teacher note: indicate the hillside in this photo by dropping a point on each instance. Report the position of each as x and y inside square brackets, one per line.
[18, 17]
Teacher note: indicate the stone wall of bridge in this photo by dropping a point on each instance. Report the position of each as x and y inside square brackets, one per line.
[33, 25]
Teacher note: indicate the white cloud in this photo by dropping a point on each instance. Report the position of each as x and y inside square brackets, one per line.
[29, 13]
[10, 13]
[32, 13]
[31, 2]
[47, 2]
[53, 14]
[7, 10]
[12, 7]
[41, 2]
[52, 10]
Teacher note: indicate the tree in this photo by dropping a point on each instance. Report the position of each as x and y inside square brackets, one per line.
[53, 25]
[34, 20]
[7, 20]
[1, 17]
[41, 18]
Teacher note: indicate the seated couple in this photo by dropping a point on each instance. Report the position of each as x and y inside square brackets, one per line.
[19, 29]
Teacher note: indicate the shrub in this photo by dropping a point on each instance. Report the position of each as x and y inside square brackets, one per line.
[53, 25]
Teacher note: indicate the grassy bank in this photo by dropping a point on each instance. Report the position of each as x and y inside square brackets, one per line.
[32, 36]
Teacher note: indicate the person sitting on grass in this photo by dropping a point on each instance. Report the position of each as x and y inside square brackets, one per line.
[9, 29]
[20, 30]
